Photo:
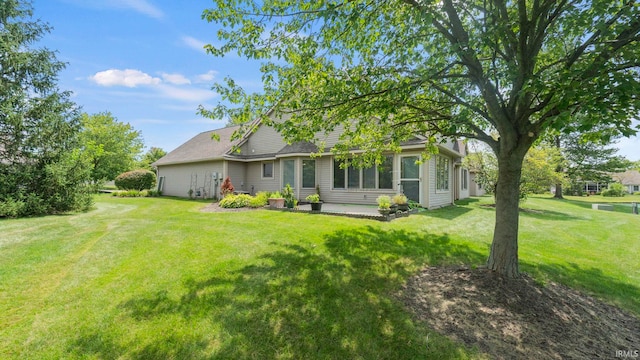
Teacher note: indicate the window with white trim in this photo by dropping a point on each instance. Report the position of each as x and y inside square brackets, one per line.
[267, 169]
[308, 173]
[371, 178]
[442, 173]
[465, 177]
[289, 173]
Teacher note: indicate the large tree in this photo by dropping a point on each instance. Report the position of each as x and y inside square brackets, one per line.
[112, 146]
[41, 169]
[589, 161]
[152, 155]
[499, 71]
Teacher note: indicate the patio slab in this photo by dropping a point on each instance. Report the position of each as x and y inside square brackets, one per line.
[350, 209]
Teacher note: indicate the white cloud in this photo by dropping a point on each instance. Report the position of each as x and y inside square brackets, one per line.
[194, 43]
[141, 6]
[127, 77]
[207, 77]
[176, 79]
[189, 95]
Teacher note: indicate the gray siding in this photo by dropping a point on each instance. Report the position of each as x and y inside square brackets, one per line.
[237, 174]
[254, 177]
[178, 177]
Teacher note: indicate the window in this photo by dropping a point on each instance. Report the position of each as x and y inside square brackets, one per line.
[267, 169]
[338, 175]
[442, 173]
[354, 177]
[385, 173]
[369, 178]
[289, 173]
[376, 177]
[308, 173]
[465, 176]
[636, 187]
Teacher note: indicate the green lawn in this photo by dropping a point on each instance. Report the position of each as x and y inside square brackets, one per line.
[156, 278]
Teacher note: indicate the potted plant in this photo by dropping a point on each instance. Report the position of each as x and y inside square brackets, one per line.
[384, 204]
[289, 197]
[402, 202]
[316, 204]
[276, 201]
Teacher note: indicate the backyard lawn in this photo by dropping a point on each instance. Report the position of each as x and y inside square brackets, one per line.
[157, 278]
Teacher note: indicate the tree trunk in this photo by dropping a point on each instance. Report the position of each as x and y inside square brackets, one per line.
[503, 257]
[558, 194]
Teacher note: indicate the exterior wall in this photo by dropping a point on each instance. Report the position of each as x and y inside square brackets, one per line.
[177, 178]
[462, 193]
[474, 188]
[266, 140]
[439, 198]
[254, 177]
[237, 173]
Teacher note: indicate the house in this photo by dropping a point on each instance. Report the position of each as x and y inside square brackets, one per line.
[475, 187]
[262, 161]
[630, 179]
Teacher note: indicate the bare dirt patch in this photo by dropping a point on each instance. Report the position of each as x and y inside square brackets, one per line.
[519, 319]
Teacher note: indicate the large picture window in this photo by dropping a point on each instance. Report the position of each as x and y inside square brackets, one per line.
[267, 169]
[308, 173]
[289, 173]
[442, 173]
[376, 177]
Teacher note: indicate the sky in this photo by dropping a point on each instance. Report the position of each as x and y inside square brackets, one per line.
[143, 61]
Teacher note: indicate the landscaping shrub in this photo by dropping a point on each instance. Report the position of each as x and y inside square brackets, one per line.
[261, 199]
[235, 201]
[227, 187]
[11, 208]
[615, 189]
[136, 180]
[136, 193]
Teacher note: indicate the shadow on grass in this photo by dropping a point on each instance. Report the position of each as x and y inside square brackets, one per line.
[447, 213]
[538, 213]
[591, 280]
[304, 301]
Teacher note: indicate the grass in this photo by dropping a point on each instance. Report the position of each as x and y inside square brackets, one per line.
[157, 278]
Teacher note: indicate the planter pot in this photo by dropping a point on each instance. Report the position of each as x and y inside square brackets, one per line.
[384, 212]
[403, 207]
[317, 206]
[393, 208]
[289, 204]
[276, 203]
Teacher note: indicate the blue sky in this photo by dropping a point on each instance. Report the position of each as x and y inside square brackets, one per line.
[143, 61]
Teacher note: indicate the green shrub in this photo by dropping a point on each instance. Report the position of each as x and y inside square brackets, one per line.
[615, 190]
[261, 199]
[235, 201]
[11, 208]
[136, 180]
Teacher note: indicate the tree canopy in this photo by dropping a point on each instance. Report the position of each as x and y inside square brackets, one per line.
[112, 146]
[151, 156]
[41, 169]
[502, 72]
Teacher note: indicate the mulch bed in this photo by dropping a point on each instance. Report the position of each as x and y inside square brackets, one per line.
[519, 319]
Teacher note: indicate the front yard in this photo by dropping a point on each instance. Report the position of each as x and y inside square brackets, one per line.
[157, 278]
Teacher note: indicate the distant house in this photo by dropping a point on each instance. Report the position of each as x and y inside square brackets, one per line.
[263, 161]
[630, 179]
